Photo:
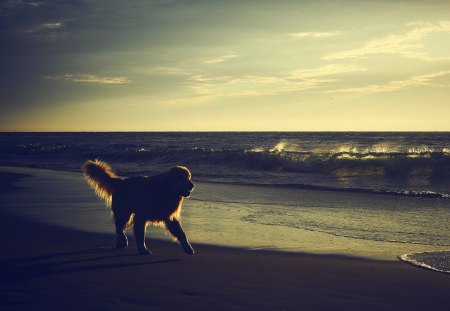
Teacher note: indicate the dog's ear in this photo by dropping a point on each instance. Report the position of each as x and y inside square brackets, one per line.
[180, 172]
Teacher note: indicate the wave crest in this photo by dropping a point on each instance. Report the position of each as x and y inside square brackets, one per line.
[379, 158]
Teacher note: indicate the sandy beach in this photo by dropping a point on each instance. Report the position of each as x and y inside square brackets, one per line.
[47, 267]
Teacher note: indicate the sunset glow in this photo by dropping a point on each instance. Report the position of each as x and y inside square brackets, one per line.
[225, 65]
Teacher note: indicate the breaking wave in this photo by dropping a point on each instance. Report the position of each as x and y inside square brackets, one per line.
[341, 161]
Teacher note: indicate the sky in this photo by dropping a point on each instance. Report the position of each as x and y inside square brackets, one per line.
[210, 65]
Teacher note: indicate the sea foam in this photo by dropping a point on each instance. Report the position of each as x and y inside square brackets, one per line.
[436, 261]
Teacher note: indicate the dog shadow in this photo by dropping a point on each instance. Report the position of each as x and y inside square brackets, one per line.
[24, 269]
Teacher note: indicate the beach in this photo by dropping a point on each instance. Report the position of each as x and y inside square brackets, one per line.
[45, 266]
[225, 155]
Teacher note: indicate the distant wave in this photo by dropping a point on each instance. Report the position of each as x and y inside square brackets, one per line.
[436, 261]
[432, 162]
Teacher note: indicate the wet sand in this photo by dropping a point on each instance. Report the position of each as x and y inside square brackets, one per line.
[46, 267]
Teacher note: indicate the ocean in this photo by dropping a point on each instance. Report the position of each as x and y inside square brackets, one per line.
[374, 194]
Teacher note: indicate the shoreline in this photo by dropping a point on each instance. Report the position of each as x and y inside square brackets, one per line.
[50, 267]
[241, 216]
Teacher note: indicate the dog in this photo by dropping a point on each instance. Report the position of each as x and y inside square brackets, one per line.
[137, 201]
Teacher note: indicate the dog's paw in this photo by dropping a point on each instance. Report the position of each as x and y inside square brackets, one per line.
[189, 250]
[121, 241]
[121, 245]
[144, 251]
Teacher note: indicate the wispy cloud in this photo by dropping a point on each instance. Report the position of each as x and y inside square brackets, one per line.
[327, 70]
[91, 79]
[315, 34]
[172, 71]
[258, 85]
[220, 59]
[208, 88]
[414, 81]
[407, 45]
[6, 6]
[53, 26]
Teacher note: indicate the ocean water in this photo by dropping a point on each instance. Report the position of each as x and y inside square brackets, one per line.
[415, 164]
[324, 192]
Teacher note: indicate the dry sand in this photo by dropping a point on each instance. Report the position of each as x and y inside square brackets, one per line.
[46, 267]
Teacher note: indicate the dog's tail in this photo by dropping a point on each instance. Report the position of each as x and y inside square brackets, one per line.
[101, 178]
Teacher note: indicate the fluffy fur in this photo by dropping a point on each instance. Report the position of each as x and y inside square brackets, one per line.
[139, 200]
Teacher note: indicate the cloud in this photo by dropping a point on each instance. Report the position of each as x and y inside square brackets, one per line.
[6, 6]
[315, 34]
[414, 81]
[171, 71]
[46, 28]
[327, 70]
[220, 59]
[259, 85]
[91, 79]
[208, 88]
[407, 45]
[56, 25]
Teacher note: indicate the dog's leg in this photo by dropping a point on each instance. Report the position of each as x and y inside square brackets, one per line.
[121, 240]
[139, 234]
[176, 230]
[120, 220]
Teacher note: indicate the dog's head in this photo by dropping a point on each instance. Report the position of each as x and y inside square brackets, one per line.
[180, 181]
